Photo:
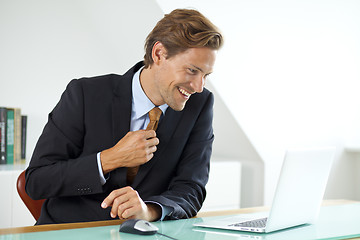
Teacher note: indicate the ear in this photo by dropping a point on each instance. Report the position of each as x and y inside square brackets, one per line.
[158, 53]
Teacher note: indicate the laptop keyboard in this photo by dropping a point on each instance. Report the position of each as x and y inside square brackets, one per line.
[257, 223]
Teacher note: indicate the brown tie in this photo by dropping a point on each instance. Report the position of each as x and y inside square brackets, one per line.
[154, 115]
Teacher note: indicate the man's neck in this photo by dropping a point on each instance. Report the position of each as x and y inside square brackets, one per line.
[149, 87]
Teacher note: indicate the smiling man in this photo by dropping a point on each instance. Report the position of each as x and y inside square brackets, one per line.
[97, 160]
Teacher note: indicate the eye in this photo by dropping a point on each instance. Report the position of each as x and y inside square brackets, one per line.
[192, 71]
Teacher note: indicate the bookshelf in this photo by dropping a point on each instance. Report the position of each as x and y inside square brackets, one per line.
[13, 128]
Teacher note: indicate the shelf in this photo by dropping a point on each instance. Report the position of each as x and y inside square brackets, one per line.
[12, 167]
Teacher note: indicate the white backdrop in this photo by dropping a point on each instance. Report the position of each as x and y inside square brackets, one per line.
[288, 71]
[289, 74]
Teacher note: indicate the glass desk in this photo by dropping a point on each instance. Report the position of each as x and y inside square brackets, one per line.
[339, 221]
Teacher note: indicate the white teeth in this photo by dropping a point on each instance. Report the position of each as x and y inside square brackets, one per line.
[184, 92]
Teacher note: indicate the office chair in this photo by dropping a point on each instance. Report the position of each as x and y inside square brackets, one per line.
[34, 206]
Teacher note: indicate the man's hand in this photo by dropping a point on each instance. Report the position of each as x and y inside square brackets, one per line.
[135, 149]
[126, 203]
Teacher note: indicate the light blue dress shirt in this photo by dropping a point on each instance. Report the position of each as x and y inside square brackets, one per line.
[141, 105]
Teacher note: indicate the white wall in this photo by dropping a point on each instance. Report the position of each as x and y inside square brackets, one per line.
[232, 144]
[44, 44]
[285, 77]
[288, 73]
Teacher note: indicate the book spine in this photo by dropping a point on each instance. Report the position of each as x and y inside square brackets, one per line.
[17, 135]
[10, 136]
[3, 120]
[23, 137]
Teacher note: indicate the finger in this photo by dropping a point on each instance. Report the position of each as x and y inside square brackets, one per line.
[152, 149]
[120, 204]
[114, 209]
[153, 141]
[129, 213]
[125, 209]
[149, 156]
[150, 134]
[127, 201]
[108, 201]
[132, 207]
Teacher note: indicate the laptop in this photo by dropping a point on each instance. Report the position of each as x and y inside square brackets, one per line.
[297, 198]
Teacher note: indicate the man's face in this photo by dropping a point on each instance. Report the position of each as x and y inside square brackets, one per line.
[182, 75]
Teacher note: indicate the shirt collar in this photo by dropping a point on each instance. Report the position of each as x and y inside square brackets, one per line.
[141, 104]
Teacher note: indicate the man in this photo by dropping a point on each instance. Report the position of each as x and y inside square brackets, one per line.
[94, 160]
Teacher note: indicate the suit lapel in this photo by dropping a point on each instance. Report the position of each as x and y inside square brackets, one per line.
[121, 105]
[121, 115]
[164, 132]
[121, 112]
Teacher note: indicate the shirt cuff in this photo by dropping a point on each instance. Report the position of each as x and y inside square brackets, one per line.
[101, 174]
[165, 211]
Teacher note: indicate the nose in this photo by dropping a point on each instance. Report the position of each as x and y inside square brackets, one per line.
[198, 84]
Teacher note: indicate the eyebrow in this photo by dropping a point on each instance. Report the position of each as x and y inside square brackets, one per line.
[200, 69]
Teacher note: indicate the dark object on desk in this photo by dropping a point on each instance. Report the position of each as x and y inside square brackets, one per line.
[34, 206]
[23, 136]
[3, 135]
[137, 226]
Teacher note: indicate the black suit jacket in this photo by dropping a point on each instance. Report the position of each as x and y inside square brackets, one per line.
[92, 115]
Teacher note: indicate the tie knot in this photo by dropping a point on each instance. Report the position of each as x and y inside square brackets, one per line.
[155, 114]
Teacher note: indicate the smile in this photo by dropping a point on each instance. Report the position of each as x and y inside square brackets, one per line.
[185, 93]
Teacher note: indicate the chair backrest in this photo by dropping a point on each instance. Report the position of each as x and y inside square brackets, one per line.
[34, 206]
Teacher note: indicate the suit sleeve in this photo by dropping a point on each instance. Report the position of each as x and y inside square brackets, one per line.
[57, 167]
[186, 192]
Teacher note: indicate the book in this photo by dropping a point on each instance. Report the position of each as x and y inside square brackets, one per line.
[10, 136]
[17, 135]
[23, 136]
[3, 119]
